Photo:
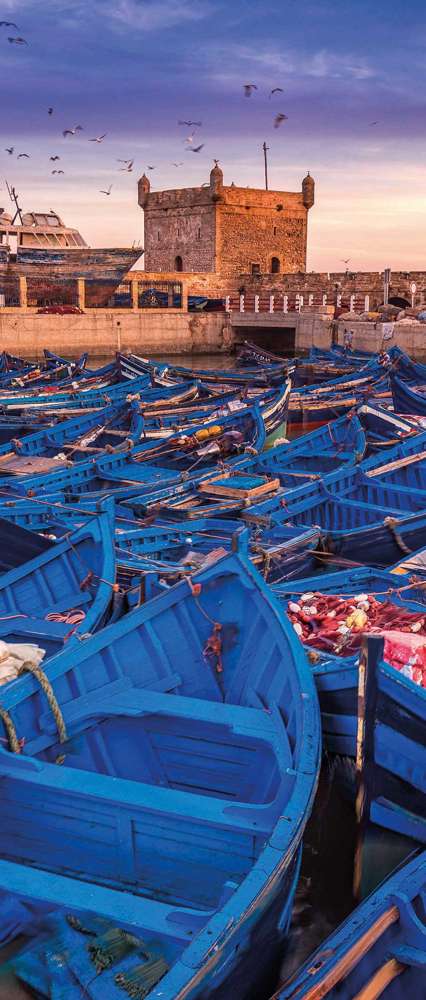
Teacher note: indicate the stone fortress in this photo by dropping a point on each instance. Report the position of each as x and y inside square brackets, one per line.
[225, 230]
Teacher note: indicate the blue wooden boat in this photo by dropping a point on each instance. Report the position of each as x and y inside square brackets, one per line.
[398, 485]
[379, 951]
[383, 427]
[266, 375]
[380, 544]
[119, 425]
[408, 398]
[273, 405]
[71, 398]
[173, 462]
[317, 505]
[338, 351]
[315, 454]
[188, 773]
[406, 368]
[18, 544]
[75, 574]
[336, 676]
[391, 753]
[49, 518]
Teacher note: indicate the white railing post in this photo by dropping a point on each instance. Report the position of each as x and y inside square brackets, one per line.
[285, 304]
[339, 300]
[352, 303]
[297, 303]
[310, 299]
[271, 303]
[324, 299]
[256, 303]
[241, 303]
[367, 304]
[228, 304]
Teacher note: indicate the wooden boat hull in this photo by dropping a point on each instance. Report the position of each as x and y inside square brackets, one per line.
[380, 950]
[391, 752]
[408, 398]
[76, 573]
[183, 848]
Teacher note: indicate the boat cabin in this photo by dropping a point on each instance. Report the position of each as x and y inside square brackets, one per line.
[38, 230]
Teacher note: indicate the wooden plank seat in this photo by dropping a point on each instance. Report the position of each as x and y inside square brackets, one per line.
[130, 911]
[222, 724]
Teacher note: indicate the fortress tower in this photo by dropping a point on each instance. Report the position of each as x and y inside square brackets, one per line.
[226, 230]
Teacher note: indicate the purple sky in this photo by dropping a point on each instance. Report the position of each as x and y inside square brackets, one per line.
[132, 68]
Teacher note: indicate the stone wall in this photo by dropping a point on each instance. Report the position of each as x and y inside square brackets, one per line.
[102, 333]
[315, 283]
[184, 231]
[369, 337]
[255, 226]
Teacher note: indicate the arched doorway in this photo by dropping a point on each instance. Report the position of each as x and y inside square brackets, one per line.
[178, 263]
[398, 300]
[275, 265]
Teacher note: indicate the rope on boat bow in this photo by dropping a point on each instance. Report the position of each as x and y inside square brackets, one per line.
[52, 700]
[391, 523]
[14, 744]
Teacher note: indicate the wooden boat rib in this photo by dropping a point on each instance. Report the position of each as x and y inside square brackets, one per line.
[217, 806]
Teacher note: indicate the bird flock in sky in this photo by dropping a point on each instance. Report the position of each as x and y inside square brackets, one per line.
[190, 142]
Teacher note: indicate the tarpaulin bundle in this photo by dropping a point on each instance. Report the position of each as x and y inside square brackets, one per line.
[336, 624]
[407, 653]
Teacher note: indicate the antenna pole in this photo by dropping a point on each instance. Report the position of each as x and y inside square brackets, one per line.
[14, 197]
[265, 156]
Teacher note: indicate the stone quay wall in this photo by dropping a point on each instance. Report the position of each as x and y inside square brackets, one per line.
[103, 332]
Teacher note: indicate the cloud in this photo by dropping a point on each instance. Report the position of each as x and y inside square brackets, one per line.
[149, 16]
[266, 63]
[143, 15]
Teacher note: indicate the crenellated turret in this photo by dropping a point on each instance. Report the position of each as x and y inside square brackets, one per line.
[216, 182]
[144, 188]
[308, 191]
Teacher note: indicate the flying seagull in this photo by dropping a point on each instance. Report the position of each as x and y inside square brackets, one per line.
[99, 138]
[248, 89]
[196, 149]
[53, 158]
[150, 167]
[345, 261]
[17, 41]
[58, 171]
[129, 166]
[23, 155]
[107, 192]
[50, 111]
[125, 161]
[373, 123]
[72, 131]
[276, 90]
[190, 124]
[178, 164]
[279, 119]
[9, 24]
[10, 150]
